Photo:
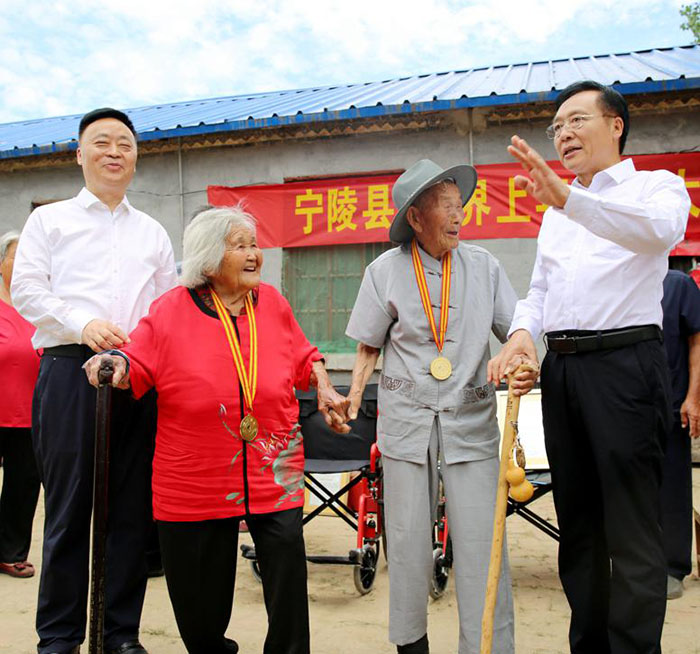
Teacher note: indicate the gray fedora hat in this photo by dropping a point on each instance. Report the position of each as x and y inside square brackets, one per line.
[421, 176]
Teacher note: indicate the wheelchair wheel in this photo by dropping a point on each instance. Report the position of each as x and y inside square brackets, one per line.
[366, 571]
[440, 576]
[255, 569]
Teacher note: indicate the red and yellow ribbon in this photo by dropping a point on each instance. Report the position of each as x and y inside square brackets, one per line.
[249, 378]
[438, 336]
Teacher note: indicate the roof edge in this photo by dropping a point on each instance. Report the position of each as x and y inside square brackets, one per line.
[632, 88]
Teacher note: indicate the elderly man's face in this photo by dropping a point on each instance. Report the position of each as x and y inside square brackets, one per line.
[107, 154]
[240, 267]
[436, 218]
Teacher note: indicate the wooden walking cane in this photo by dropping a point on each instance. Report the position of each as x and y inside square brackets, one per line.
[100, 498]
[510, 430]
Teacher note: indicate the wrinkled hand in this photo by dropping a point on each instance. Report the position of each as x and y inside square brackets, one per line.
[690, 416]
[523, 380]
[101, 335]
[334, 408]
[543, 184]
[355, 401]
[520, 349]
[120, 379]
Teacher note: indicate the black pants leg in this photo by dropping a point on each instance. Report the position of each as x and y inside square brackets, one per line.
[605, 417]
[583, 550]
[20, 492]
[279, 546]
[199, 559]
[63, 429]
[200, 569]
[677, 502]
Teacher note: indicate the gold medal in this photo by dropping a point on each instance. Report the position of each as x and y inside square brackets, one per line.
[249, 428]
[248, 379]
[440, 368]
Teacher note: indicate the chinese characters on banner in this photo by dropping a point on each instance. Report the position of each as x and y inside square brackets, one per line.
[360, 210]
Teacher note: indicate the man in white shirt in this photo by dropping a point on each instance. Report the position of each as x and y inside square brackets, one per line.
[596, 293]
[86, 271]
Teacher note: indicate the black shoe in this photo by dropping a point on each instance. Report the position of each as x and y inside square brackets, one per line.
[419, 647]
[129, 647]
[231, 646]
[75, 650]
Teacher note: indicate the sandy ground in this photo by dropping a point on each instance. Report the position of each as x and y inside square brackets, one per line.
[344, 622]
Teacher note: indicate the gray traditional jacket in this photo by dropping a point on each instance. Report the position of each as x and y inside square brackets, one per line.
[388, 314]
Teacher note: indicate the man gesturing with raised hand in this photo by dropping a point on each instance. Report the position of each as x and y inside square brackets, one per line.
[596, 294]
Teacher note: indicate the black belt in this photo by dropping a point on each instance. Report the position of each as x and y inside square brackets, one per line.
[72, 351]
[577, 341]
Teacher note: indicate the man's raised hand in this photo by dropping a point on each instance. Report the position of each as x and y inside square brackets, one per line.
[543, 183]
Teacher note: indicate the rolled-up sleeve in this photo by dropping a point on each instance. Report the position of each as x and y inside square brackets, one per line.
[370, 318]
[504, 301]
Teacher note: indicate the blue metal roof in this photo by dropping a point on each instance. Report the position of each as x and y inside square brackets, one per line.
[647, 71]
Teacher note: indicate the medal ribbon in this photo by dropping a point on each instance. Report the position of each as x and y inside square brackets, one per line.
[249, 379]
[438, 337]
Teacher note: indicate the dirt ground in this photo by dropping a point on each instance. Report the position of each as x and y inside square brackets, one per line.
[343, 622]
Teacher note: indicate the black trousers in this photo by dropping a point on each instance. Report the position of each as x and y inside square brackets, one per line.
[605, 417]
[20, 492]
[200, 569]
[677, 502]
[63, 426]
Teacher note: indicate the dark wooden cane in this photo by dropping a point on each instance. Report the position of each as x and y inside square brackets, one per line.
[100, 497]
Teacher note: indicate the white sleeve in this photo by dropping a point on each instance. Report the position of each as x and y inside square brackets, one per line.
[651, 224]
[529, 312]
[166, 275]
[31, 286]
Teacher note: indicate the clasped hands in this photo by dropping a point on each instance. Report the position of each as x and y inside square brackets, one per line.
[518, 358]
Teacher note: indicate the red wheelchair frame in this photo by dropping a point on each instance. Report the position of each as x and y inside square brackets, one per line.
[366, 518]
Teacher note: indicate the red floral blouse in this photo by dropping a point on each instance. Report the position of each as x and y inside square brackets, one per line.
[202, 468]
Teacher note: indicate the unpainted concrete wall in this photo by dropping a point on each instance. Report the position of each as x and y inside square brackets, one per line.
[156, 186]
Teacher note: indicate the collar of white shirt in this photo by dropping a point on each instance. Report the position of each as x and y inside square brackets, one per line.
[87, 199]
[617, 173]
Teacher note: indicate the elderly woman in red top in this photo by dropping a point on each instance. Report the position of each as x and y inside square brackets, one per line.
[224, 352]
[19, 367]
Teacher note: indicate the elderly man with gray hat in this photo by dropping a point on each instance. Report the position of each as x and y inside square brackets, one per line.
[430, 305]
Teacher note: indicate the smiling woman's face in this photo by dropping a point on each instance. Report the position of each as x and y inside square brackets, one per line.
[240, 267]
[437, 217]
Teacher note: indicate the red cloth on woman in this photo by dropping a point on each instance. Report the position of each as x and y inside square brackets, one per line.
[19, 368]
[202, 469]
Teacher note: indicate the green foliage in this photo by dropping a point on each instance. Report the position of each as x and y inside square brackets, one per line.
[692, 23]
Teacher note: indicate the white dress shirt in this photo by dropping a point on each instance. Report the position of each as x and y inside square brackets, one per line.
[77, 261]
[601, 260]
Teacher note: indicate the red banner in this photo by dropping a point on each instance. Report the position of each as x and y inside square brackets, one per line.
[359, 209]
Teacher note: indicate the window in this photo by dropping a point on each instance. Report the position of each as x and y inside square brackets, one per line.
[321, 284]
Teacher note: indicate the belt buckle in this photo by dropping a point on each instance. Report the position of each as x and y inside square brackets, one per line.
[564, 344]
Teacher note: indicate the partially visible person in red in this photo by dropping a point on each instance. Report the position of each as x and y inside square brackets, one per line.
[19, 367]
[225, 353]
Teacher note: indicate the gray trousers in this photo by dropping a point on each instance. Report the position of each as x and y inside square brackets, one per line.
[410, 496]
